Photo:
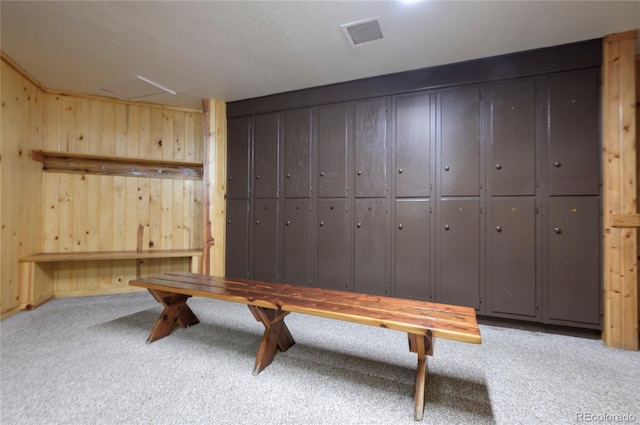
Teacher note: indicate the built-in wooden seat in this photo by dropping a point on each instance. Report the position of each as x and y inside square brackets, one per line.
[271, 302]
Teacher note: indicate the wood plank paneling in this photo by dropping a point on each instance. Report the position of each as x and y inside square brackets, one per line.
[52, 212]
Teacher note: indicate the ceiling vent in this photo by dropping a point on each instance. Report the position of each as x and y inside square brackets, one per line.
[363, 31]
[136, 89]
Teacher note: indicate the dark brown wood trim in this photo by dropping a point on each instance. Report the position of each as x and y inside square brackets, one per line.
[581, 55]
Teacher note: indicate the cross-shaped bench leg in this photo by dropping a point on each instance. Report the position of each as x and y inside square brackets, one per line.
[175, 310]
[423, 346]
[276, 335]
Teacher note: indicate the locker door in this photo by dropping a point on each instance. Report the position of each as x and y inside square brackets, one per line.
[370, 247]
[334, 129]
[460, 142]
[412, 249]
[265, 237]
[412, 146]
[237, 239]
[371, 148]
[238, 158]
[512, 135]
[512, 257]
[573, 288]
[265, 154]
[574, 132]
[333, 244]
[297, 242]
[459, 253]
[296, 135]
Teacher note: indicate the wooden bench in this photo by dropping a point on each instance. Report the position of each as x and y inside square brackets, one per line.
[271, 302]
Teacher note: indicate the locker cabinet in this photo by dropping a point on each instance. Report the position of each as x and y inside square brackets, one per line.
[371, 148]
[266, 148]
[266, 231]
[334, 133]
[334, 223]
[237, 244]
[574, 145]
[297, 242]
[573, 249]
[512, 165]
[412, 146]
[238, 142]
[370, 259]
[460, 142]
[296, 136]
[412, 249]
[511, 269]
[458, 253]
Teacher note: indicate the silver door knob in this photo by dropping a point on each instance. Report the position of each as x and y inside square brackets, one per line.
[498, 166]
[557, 230]
[557, 164]
[446, 168]
[446, 227]
[498, 229]
[400, 226]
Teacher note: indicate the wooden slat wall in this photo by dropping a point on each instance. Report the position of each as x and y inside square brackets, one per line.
[104, 212]
[620, 327]
[637, 165]
[21, 213]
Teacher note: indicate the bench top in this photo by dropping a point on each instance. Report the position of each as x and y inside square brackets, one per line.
[415, 317]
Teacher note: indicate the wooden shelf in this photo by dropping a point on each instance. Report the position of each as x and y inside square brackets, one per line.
[65, 162]
[106, 255]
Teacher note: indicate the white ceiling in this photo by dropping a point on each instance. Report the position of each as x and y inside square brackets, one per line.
[232, 50]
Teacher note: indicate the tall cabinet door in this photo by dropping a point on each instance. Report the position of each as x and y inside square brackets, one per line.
[460, 142]
[572, 292]
[238, 138]
[266, 224]
[511, 272]
[296, 139]
[370, 260]
[458, 274]
[237, 240]
[334, 133]
[265, 154]
[574, 131]
[412, 249]
[371, 148]
[297, 242]
[412, 146]
[334, 221]
[512, 137]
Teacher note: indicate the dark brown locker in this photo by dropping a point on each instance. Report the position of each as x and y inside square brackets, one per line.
[511, 272]
[237, 239]
[574, 133]
[512, 165]
[334, 222]
[238, 139]
[458, 273]
[297, 242]
[334, 132]
[412, 249]
[412, 146]
[296, 136]
[370, 260]
[265, 156]
[460, 142]
[266, 259]
[371, 148]
[573, 287]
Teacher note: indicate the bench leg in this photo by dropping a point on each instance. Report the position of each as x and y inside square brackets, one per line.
[175, 310]
[423, 346]
[276, 336]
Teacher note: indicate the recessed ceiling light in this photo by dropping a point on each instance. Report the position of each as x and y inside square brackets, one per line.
[364, 31]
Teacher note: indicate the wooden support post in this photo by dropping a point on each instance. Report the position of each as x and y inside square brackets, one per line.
[422, 345]
[175, 310]
[620, 327]
[276, 336]
[215, 187]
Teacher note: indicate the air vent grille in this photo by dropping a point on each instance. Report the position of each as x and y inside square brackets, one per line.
[364, 31]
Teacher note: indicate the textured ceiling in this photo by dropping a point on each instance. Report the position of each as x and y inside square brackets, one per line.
[232, 50]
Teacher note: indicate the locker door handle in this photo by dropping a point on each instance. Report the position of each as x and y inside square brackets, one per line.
[322, 174]
[258, 177]
[288, 222]
[230, 177]
[498, 229]
[321, 223]
[400, 170]
[557, 164]
[288, 175]
[229, 221]
[557, 230]
[257, 222]
[359, 172]
[446, 227]
[498, 166]
[359, 225]
[400, 226]
[446, 168]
